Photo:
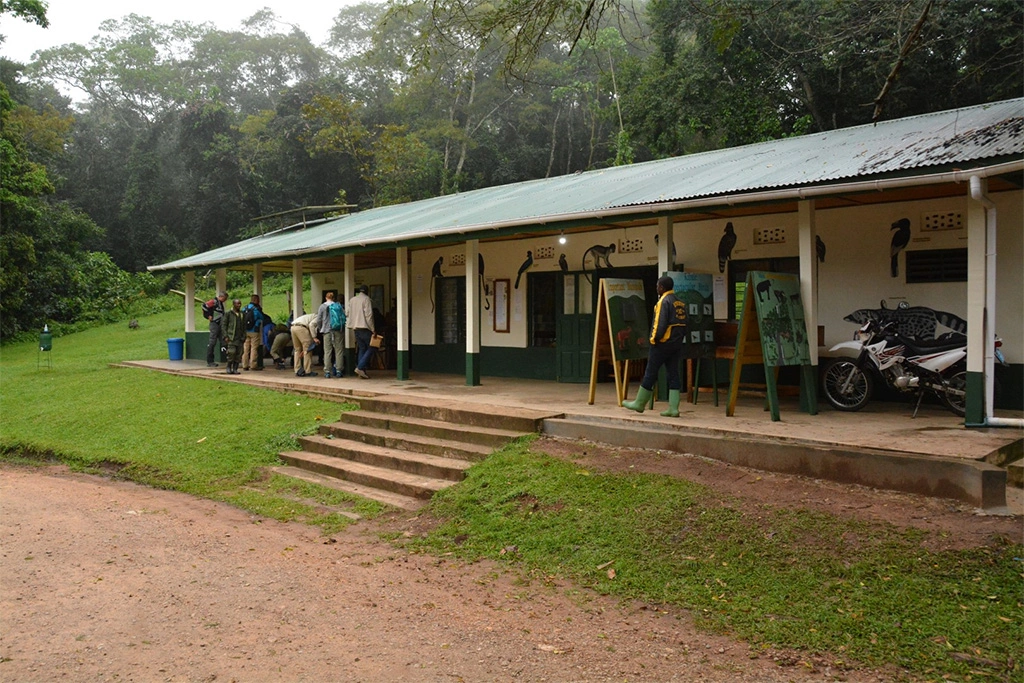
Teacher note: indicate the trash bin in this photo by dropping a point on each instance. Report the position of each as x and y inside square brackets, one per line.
[176, 348]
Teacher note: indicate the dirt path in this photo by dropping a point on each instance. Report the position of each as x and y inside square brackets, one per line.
[107, 580]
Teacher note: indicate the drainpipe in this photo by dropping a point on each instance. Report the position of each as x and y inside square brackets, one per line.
[990, 303]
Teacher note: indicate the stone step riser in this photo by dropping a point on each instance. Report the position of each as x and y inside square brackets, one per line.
[339, 471]
[399, 442]
[396, 423]
[455, 415]
[347, 451]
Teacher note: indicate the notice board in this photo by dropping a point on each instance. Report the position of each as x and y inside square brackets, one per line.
[773, 333]
[696, 291]
[621, 330]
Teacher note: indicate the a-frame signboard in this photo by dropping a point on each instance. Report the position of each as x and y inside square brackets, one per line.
[773, 333]
[620, 331]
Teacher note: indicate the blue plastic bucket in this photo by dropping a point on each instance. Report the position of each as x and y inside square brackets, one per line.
[176, 348]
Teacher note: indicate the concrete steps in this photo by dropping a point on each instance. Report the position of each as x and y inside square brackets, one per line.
[400, 450]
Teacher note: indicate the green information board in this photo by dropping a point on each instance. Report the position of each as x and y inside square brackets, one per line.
[696, 291]
[773, 333]
[627, 318]
[780, 316]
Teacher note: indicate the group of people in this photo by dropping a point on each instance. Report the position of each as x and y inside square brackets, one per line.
[244, 334]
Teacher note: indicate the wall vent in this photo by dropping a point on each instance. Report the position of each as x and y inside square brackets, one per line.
[631, 246]
[457, 259]
[770, 236]
[543, 253]
[950, 220]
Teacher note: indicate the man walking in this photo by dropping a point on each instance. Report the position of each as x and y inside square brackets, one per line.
[234, 336]
[304, 337]
[253, 317]
[330, 322]
[360, 320]
[213, 310]
[666, 349]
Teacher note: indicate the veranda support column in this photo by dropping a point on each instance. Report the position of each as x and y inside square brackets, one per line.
[976, 301]
[350, 290]
[403, 290]
[222, 283]
[665, 237]
[190, 301]
[808, 232]
[472, 313]
[257, 281]
[297, 309]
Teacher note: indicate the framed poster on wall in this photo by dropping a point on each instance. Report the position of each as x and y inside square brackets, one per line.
[501, 305]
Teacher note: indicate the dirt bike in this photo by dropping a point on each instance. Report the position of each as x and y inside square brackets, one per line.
[904, 364]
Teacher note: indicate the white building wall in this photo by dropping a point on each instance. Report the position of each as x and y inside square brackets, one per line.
[855, 273]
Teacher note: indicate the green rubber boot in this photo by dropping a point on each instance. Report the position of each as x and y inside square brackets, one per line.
[673, 404]
[640, 402]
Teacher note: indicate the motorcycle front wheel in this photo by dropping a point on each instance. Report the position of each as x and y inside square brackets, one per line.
[955, 395]
[846, 386]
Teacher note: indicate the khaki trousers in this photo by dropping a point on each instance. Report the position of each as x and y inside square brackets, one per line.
[301, 338]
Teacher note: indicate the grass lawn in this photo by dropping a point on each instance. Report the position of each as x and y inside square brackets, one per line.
[210, 439]
[861, 593]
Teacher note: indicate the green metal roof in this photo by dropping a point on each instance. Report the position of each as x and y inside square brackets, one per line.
[972, 137]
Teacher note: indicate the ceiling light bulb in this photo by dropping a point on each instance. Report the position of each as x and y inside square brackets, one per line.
[561, 238]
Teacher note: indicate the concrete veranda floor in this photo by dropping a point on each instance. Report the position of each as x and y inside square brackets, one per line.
[884, 426]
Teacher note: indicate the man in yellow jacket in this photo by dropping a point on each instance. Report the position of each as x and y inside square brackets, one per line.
[667, 339]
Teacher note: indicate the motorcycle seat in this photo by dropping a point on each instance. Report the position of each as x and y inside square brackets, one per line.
[921, 346]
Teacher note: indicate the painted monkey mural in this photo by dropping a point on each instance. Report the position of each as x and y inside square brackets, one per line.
[599, 253]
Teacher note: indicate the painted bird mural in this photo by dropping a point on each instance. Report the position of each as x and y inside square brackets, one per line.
[435, 273]
[483, 284]
[523, 268]
[725, 246]
[563, 263]
[900, 240]
[819, 246]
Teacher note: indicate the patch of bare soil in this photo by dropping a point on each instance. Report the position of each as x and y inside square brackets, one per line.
[108, 580]
[953, 525]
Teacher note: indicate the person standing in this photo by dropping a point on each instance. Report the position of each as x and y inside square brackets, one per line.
[667, 338]
[304, 338]
[253, 318]
[360, 320]
[234, 335]
[330, 322]
[213, 310]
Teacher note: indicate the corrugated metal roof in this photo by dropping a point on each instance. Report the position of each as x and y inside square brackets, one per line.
[971, 135]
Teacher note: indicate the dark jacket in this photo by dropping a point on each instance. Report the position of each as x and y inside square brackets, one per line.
[669, 319]
[232, 328]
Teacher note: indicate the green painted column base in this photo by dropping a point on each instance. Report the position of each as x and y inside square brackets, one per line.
[350, 360]
[472, 369]
[402, 371]
[975, 416]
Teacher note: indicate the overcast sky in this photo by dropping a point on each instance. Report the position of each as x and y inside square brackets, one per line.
[77, 21]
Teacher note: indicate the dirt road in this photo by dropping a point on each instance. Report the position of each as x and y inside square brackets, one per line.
[106, 580]
[109, 581]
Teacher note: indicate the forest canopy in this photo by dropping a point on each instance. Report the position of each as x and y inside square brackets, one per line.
[176, 136]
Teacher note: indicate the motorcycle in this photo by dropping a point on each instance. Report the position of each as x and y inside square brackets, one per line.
[904, 364]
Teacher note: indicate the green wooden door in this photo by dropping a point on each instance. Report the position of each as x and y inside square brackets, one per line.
[575, 331]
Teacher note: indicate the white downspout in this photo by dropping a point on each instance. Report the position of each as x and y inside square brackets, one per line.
[990, 304]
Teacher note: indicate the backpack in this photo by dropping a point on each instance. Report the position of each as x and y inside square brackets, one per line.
[249, 318]
[208, 308]
[337, 316]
